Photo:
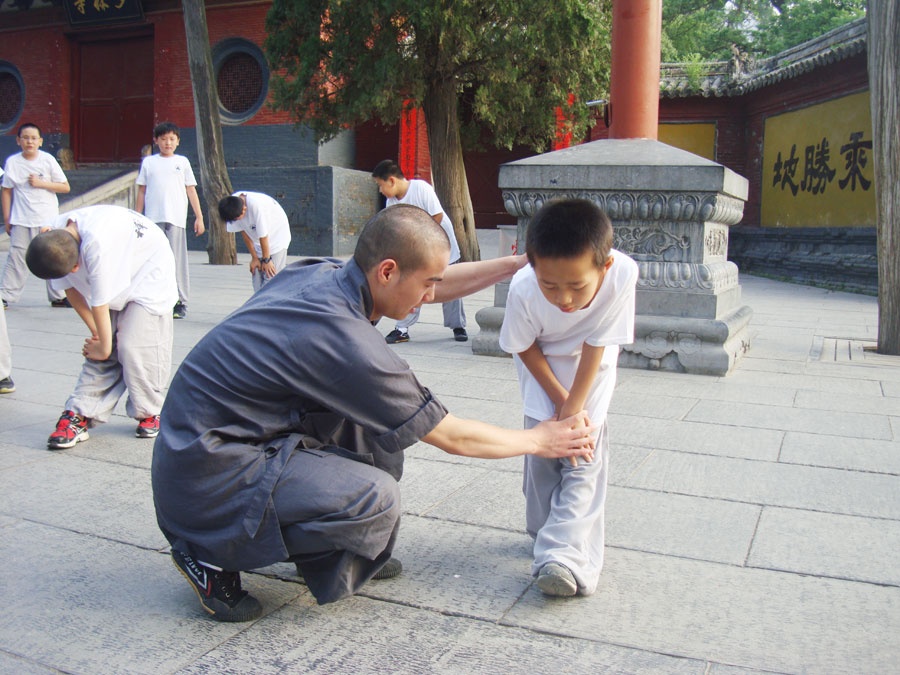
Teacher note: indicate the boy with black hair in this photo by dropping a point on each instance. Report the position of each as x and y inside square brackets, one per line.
[264, 226]
[398, 190]
[166, 184]
[566, 314]
[31, 180]
[7, 386]
[118, 272]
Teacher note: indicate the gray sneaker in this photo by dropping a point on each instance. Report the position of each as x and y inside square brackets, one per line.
[555, 579]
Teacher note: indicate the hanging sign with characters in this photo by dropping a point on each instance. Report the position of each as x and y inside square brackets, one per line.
[92, 12]
[818, 166]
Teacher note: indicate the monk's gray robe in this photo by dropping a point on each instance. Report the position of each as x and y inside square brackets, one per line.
[291, 400]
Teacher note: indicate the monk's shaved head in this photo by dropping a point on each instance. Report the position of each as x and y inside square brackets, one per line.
[403, 233]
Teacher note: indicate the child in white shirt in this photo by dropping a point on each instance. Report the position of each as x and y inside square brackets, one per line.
[166, 184]
[566, 314]
[265, 228]
[118, 271]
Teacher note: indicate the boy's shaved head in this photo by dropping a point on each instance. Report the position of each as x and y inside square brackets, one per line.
[52, 254]
[403, 233]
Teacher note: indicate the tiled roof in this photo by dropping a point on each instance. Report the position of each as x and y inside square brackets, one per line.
[742, 74]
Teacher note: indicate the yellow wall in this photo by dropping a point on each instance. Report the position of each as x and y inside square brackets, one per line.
[697, 138]
[817, 166]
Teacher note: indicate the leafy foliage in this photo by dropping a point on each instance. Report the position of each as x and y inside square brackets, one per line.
[339, 63]
[759, 27]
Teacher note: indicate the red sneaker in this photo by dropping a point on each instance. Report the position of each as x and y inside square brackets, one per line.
[70, 429]
[148, 427]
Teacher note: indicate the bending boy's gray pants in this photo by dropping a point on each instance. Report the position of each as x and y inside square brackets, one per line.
[140, 362]
[278, 259]
[16, 271]
[5, 350]
[564, 511]
[177, 237]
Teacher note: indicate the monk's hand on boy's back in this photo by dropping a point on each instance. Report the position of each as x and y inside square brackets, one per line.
[568, 437]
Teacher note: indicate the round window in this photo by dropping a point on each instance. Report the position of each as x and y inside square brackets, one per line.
[12, 96]
[242, 79]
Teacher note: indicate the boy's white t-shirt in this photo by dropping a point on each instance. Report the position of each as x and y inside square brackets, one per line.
[123, 257]
[32, 206]
[165, 199]
[264, 218]
[607, 322]
[421, 194]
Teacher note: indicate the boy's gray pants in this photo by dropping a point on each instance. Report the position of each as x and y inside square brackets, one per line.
[16, 271]
[140, 362]
[278, 259]
[564, 511]
[5, 350]
[177, 237]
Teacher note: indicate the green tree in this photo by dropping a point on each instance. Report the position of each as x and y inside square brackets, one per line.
[759, 27]
[502, 65]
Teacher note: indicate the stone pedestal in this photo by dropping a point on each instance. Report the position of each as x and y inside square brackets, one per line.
[671, 211]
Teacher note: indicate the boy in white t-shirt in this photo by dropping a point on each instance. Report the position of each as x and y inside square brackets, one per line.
[398, 190]
[166, 184]
[566, 314]
[265, 228]
[31, 180]
[7, 386]
[118, 271]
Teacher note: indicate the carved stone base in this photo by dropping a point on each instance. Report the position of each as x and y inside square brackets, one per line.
[487, 342]
[688, 345]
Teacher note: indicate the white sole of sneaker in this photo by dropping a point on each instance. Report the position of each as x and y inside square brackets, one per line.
[83, 436]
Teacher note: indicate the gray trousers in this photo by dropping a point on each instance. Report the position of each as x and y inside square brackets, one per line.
[454, 316]
[16, 271]
[140, 363]
[564, 511]
[5, 350]
[278, 259]
[339, 519]
[177, 237]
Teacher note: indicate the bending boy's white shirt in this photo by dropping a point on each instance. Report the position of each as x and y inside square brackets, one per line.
[607, 322]
[421, 194]
[123, 257]
[165, 180]
[32, 206]
[264, 218]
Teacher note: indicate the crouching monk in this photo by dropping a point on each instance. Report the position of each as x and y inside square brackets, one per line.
[283, 431]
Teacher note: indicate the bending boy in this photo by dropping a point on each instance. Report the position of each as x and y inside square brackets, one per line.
[264, 226]
[566, 314]
[118, 272]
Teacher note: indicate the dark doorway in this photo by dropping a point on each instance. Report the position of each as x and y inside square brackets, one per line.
[114, 86]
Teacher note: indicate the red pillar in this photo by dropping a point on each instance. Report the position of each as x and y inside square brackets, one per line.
[634, 75]
[413, 156]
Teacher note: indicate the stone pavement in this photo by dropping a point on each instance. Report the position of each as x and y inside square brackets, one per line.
[753, 520]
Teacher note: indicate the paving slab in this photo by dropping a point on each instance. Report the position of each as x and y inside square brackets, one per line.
[12, 455]
[852, 425]
[731, 615]
[825, 544]
[652, 406]
[426, 483]
[406, 640]
[698, 437]
[703, 387]
[833, 381]
[841, 403]
[770, 483]
[857, 454]
[82, 604]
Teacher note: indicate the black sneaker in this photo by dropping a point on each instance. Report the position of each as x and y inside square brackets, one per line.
[179, 310]
[5, 304]
[7, 386]
[62, 302]
[219, 591]
[396, 336]
[460, 335]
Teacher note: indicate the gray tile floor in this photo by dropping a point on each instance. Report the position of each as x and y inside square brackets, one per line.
[753, 520]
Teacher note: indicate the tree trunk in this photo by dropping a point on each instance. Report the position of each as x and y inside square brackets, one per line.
[445, 148]
[213, 174]
[884, 77]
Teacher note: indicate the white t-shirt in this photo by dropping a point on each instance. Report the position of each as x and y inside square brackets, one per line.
[264, 218]
[165, 200]
[123, 257]
[421, 194]
[32, 206]
[607, 322]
